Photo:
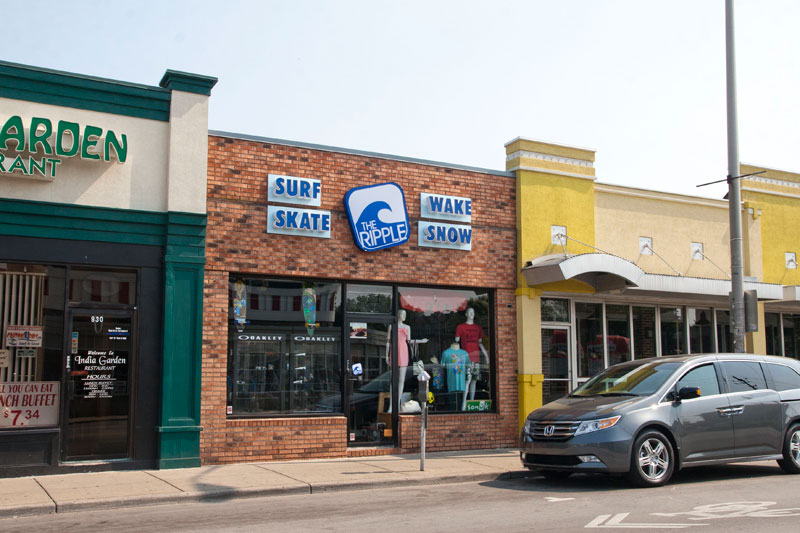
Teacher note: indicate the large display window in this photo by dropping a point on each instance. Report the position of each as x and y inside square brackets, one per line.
[285, 347]
[317, 347]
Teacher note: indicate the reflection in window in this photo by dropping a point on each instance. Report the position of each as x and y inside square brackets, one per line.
[369, 299]
[724, 333]
[285, 357]
[744, 376]
[772, 332]
[618, 339]
[644, 332]
[589, 331]
[555, 310]
[555, 361]
[673, 335]
[701, 331]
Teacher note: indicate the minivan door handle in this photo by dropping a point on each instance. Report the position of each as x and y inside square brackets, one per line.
[737, 410]
[724, 411]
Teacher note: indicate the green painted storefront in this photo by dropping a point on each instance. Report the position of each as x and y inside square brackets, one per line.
[163, 251]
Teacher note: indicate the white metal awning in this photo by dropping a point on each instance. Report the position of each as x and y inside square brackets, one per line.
[604, 272]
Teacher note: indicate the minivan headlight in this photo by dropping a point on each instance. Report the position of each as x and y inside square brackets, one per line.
[596, 425]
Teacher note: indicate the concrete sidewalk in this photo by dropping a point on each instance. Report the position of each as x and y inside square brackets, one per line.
[72, 492]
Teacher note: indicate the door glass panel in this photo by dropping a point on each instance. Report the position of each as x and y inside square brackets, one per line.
[772, 325]
[98, 385]
[701, 331]
[673, 335]
[644, 332]
[791, 332]
[724, 335]
[588, 320]
[369, 384]
[555, 363]
[618, 329]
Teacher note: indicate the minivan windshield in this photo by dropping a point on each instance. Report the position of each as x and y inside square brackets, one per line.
[637, 378]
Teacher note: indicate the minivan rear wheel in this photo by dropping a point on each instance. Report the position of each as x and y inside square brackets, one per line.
[791, 451]
[652, 460]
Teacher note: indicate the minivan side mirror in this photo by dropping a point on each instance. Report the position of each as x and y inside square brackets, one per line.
[687, 393]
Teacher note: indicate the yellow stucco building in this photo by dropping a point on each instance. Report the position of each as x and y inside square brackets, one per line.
[610, 273]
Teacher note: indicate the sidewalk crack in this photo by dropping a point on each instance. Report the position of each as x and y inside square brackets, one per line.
[55, 504]
[165, 481]
[263, 467]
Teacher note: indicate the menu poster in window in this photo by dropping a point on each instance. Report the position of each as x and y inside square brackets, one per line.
[5, 358]
[29, 404]
[358, 330]
[24, 336]
[99, 372]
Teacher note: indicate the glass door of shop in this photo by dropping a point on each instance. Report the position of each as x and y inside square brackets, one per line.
[368, 383]
[99, 369]
[556, 363]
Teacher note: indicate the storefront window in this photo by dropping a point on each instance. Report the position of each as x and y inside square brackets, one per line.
[369, 299]
[555, 310]
[644, 332]
[286, 355]
[589, 323]
[701, 330]
[92, 286]
[673, 334]
[618, 328]
[450, 337]
[772, 327]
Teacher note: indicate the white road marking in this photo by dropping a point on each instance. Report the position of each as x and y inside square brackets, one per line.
[553, 499]
[615, 521]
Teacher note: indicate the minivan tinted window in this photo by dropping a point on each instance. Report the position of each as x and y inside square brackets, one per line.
[703, 377]
[744, 376]
[784, 377]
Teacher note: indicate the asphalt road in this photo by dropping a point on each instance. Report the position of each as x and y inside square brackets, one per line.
[731, 498]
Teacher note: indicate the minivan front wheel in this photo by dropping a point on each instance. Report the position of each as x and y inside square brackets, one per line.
[791, 451]
[652, 460]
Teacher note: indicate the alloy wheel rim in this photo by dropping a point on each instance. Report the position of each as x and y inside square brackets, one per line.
[654, 458]
[794, 447]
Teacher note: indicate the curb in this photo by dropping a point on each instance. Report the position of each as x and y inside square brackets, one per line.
[186, 497]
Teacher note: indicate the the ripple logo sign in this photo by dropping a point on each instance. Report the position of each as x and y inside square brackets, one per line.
[378, 216]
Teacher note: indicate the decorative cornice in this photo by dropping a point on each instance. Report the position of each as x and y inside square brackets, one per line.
[548, 157]
[551, 171]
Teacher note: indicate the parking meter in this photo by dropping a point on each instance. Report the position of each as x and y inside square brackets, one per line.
[424, 381]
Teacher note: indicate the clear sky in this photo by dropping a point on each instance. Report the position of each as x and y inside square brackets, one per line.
[640, 81]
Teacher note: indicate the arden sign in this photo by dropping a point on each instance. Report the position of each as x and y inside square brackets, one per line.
[36, 150]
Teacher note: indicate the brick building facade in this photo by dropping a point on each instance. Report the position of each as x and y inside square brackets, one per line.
[238, 244]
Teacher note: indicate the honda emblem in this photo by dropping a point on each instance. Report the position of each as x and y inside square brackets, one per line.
[549, 430]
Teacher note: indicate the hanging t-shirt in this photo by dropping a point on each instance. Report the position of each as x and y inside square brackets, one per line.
[455, 361]
[437, 377]
[470, 336]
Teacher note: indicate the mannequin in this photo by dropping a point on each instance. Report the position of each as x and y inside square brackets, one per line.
[403, 338]
[470, 335]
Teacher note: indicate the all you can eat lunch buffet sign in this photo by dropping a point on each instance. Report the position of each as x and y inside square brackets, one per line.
[445, 220]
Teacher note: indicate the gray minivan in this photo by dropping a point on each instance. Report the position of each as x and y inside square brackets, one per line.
[650, 417]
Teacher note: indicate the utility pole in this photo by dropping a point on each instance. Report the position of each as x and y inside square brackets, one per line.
[734, 190]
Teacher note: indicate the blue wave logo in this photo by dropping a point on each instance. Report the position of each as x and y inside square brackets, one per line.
[378, 216]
